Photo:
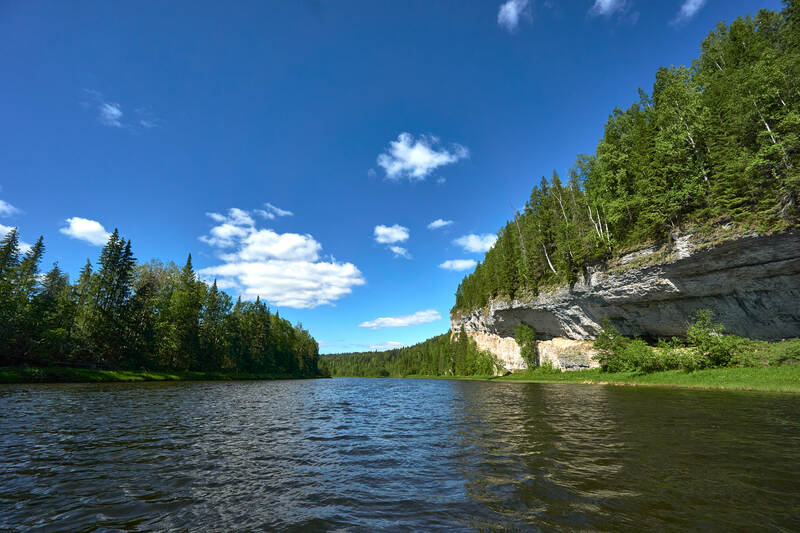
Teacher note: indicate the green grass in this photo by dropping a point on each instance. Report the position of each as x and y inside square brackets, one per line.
[89, 375]
[785, 378]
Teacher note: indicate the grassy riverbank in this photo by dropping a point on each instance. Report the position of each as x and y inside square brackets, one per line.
[91, 375]
[785, 378]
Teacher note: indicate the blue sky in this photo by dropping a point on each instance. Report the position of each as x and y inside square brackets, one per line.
[301, 150]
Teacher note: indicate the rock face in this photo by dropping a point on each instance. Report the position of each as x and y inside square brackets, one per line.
[751, 284]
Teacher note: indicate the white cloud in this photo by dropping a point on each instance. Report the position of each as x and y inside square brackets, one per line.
[7, 210]
[390, 234]
[282, 268]
[225, 235]
[110, 114]
[606, 8]
[265, 244]
[389, 345]
[688, 10]
[24, 247]
[458, 264]
[476, 243]
[510, 12]
[420, 317]
[439, 223]
[298, 284]
[272, 211]
[240, 217]
[87, 230]
[415, 159]
[278, 211]
[236, 225]
[399, 251]
[216, 217]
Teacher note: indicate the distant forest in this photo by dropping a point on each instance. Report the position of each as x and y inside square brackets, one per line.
[714, 144]
[138, 317]
[437, 356]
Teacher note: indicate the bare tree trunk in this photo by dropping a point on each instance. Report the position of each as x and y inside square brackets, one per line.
[597, 228]
[691, 140]
[546, 256]
[608, 233]
[566, 221]
[766, 125]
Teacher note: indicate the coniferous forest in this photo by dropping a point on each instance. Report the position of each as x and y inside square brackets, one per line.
[437, 356]
[715, 144]
[151, 316]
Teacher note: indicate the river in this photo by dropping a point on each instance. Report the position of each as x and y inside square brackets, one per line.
[392, 454]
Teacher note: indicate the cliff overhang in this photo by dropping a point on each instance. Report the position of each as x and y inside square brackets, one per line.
[751, 284]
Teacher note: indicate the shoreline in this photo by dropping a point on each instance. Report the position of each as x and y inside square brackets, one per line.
[783, 378]
[21, 375]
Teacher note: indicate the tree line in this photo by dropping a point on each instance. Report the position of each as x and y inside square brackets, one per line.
[437, 356]
[151, 316]
[717, 143]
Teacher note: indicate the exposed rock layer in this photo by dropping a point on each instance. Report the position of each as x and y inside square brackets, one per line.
[751, 284]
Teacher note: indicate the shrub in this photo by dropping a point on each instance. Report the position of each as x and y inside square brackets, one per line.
[718, 349]
[526, 339]
[609, 344]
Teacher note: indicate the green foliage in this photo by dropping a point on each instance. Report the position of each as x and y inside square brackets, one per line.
[717, 142]
[145, 317]
[776, 378]
[710, 342]
[707, 347]
[437, 356]
[526, 339]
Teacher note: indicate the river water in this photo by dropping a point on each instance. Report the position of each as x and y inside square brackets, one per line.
[391, 454]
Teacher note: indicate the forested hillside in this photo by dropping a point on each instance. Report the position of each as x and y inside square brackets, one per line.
[152, 316]
[437, 356]
[712, 144]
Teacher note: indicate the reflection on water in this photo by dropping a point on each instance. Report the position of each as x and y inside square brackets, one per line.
[360, 454]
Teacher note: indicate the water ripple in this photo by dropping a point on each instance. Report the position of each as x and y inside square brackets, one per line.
[404, 455]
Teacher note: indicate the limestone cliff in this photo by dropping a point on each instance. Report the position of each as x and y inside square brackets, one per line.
[752, 284]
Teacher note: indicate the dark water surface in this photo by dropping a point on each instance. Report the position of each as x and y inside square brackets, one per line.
[365, 455]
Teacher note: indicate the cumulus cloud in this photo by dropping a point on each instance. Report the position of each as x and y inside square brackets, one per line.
[298, 284]
[284, 269]
[439, 223]
[225, 235]
[688, 10]
[87, 230]
[458, 264]
[476, 243]
[510, 12]
[7, 210]
[415, 159]
[420, 317]
[606, 8]
[399, 251]
[389, 345]
[265, 244]
[390, 234]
